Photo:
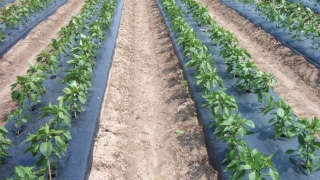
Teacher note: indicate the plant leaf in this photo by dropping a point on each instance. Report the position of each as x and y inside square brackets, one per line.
[46, 149]
[274, 174]
[252, 176]
[290, 151]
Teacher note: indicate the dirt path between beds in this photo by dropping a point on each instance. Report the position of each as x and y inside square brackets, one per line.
[14, 62]
[148, 125]
[298, 79]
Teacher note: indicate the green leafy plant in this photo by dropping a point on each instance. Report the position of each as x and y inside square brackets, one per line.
[299, 20]
[251, 161]
[220, 103]
[16, 14]
[309, 144]
[282, 120]
[4, 142]
[232, 126]
[50, 60]
[2, 36]
[199, 12]
[263, 83]
[207, 75]
[47, 142]
[75, 96]
[50, 141]
[229, 125]
[59, 114]
[27, 173]
[29, 86]
[250, 79]
[27, 89]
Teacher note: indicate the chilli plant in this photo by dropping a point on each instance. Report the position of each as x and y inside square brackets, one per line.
[75, 96]
[207, 75]
[220, 103]
[48, 142]
[294, 17]
[309, 145]
[252, 162]
[27, 89]
[232, 126]
[283, 118]
[59, 114]
[4, 142]
[27, 173]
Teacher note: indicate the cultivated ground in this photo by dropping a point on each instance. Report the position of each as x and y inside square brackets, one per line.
[148, 127]
[298, 79]
[146, 106]
[14, 62]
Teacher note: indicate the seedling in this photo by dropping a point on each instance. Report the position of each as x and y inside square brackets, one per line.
[47, 142]
[27, 173]
[229, 126]
[252, 162]
[4, 142]
[59, 114]
[283, 119]
[20, 13]
[75, 96]
[292, 16]
[179, 132]
[309, 145]
[220, 103]
[184, 83]
[50, 141]
[232, 126]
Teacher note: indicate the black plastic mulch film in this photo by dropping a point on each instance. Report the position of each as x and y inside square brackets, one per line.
[5, 2]
[249, 107]
[76, 163]
[312, 4]
[14, 34]
[302, 47]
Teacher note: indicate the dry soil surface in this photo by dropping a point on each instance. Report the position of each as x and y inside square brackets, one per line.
[14, 62]
[298, 79]
[148, 125]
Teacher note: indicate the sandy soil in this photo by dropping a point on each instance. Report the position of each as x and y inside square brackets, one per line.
[14, 62]
[145, 105]
[298, 79]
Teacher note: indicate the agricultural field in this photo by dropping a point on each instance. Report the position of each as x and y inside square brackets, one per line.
[159, 89]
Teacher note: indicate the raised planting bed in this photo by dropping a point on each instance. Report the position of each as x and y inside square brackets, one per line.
[312, 4]
[75, 161]
[304, 45]
[5, 2]
[11, 34]
[249, 107]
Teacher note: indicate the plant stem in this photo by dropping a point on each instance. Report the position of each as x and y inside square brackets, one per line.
[49, 170]
[308, 157]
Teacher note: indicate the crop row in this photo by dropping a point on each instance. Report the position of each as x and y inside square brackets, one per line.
[294, 17]
[251, 79]
[29, 88]
[18, 13]
[230, 126]
[49, 143]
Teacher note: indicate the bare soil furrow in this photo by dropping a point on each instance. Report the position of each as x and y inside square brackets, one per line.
[298, 79]
[148, 125]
